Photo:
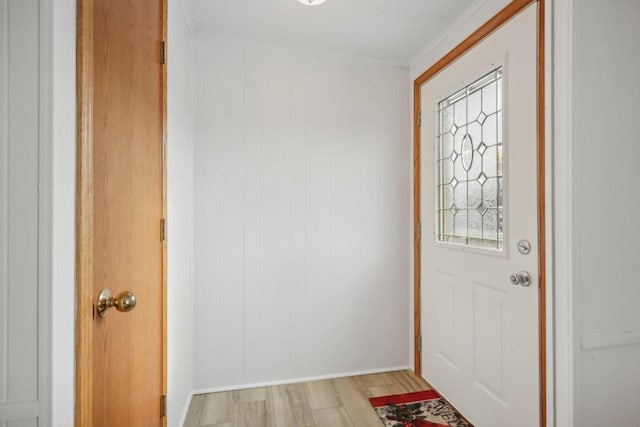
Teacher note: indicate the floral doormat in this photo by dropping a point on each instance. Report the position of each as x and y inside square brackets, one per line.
[420, 409]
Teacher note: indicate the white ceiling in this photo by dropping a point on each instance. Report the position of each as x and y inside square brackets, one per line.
[390, 30]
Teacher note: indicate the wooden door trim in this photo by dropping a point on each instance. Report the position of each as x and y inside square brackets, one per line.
[84, 217]
[83, 412]
[542, 217]
[165, 319]
[493, 24]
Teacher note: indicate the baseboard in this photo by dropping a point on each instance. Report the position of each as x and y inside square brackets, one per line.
[299, 380]
[185, 410]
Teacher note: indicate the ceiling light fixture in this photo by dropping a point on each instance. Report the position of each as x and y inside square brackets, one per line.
[312, 2]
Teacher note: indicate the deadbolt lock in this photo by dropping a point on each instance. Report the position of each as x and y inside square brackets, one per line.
[524, 247]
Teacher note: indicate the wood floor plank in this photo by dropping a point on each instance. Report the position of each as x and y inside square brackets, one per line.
[374, 380]
[218, 408]
[410, 381]
[252, 395]
[195, 409]
[253, 414]
[396, 388]
[298, 400]
[386, 390]
[290, 406]
[332, 417]
[321, 394]
[361, 385]
[356, 403]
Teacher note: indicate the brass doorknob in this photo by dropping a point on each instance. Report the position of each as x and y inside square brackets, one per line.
[124, 302]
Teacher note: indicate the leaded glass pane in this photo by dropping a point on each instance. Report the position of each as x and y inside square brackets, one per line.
[469, 164]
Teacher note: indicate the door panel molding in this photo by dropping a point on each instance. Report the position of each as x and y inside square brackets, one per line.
[511, 10]
[84, 340]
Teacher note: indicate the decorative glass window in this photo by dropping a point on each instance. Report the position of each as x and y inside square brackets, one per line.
[469, 165]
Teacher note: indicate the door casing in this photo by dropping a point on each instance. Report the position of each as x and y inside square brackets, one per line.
[512, 9]
[84, 215]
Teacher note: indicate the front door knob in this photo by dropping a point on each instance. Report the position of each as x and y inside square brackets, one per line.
[124, 302]
[523, 278]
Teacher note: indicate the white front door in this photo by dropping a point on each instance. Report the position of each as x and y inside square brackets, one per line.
[479, 199]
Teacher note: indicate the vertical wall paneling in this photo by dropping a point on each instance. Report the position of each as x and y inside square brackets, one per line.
[23, 200]
[605, 201]
[4, 194]
[267, 336]
[220, 217]
[59, 36]
[302, 214]
[45, 214]
[180, 216]
[20, 125]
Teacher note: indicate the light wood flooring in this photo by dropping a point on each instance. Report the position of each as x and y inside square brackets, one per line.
[341, 402]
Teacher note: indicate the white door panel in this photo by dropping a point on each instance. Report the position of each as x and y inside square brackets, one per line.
[480, 332]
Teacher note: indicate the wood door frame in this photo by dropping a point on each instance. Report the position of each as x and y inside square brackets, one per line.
[84, 215]
[493, 24]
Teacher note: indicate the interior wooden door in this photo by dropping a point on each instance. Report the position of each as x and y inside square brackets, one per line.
[480, 279]
[121, 210]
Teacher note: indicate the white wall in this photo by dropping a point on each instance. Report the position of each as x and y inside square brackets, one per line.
[605, 203]
[179, 216]
[63, 152]
[302, 208]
